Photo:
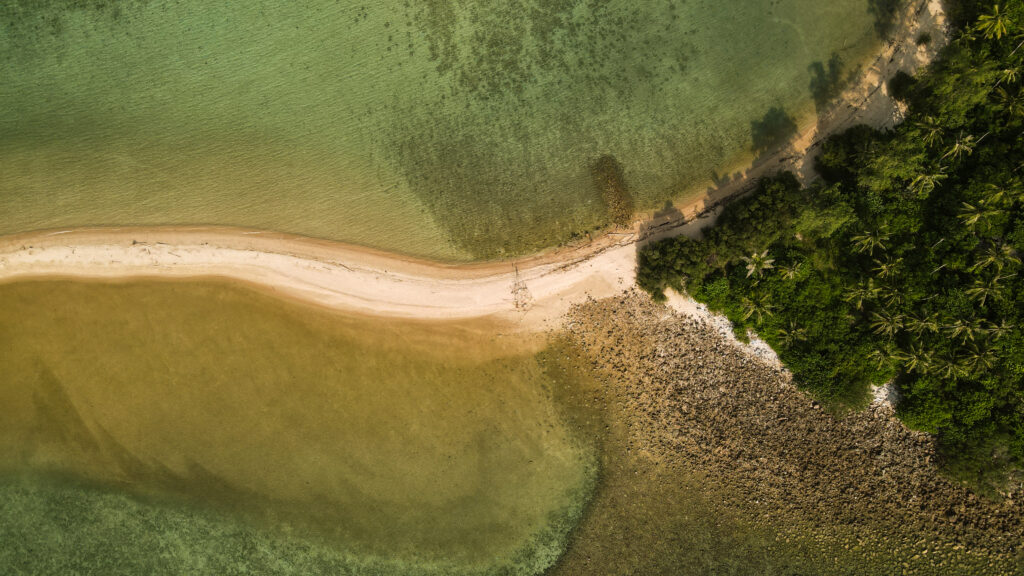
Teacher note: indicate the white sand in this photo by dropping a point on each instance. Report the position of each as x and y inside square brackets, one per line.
[685, 305]
[532, 294]
[331, 274]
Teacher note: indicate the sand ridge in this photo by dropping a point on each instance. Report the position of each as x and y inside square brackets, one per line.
[333, 274]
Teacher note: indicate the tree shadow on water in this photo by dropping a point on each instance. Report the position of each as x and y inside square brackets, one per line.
[826, 81]
[884, 12]
[662, 224]
[609, 179]
[775, 128]
[668, 214]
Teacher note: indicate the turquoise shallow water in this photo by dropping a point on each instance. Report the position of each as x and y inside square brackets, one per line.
[453, 130]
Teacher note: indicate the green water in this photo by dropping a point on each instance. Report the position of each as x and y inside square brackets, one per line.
[207, 410]
[454, 130]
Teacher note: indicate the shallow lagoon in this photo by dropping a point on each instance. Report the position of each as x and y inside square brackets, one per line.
[208, 408]
[453, 130]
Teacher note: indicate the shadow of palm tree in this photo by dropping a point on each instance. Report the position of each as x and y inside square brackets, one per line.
[772, 130]
[826, 81]
[884, 12]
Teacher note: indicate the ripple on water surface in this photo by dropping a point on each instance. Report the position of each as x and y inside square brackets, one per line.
[388, 445]
[451, 129]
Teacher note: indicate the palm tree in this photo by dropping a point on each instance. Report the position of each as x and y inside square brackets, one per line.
[920, 323]
[980, 328]
[947, 367]
[758, 263]
[1014, 190]
[1010, 102]
[964, 146]
[881, 357]
[994, 25]
[792, 335]
[886, 323]
[931, 131]
[983, 290]
[915, 359]
[790, 272]
[977, 358]
[858, 294]
[995, 254]
[966, 36]
[925, 184]
[995, 195]
[759, 306]
[888, 268]
[893, 296]
[1009, 76]
[962, 329]
[997, 331]
[974, 214]
[869, 241]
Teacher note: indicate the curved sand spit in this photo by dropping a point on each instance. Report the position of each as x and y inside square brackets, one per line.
[532, 293]
[329, 273]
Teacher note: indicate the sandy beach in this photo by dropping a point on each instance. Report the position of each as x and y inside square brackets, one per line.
[530, 294]
[332, 274]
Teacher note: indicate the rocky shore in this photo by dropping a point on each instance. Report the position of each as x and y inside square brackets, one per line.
[860, 483]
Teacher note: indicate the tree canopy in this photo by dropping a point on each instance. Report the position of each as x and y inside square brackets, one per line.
[904, 263]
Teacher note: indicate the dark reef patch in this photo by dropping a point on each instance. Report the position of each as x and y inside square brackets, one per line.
[506, 64]
[610, 181]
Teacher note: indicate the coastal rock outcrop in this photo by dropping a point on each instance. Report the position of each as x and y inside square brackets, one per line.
[698, 398]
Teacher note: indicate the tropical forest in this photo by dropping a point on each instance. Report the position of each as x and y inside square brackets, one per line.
[902, 263]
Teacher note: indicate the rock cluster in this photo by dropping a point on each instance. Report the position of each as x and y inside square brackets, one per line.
[696, 396]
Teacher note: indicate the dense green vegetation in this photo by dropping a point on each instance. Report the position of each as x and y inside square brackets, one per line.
[905, 263]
